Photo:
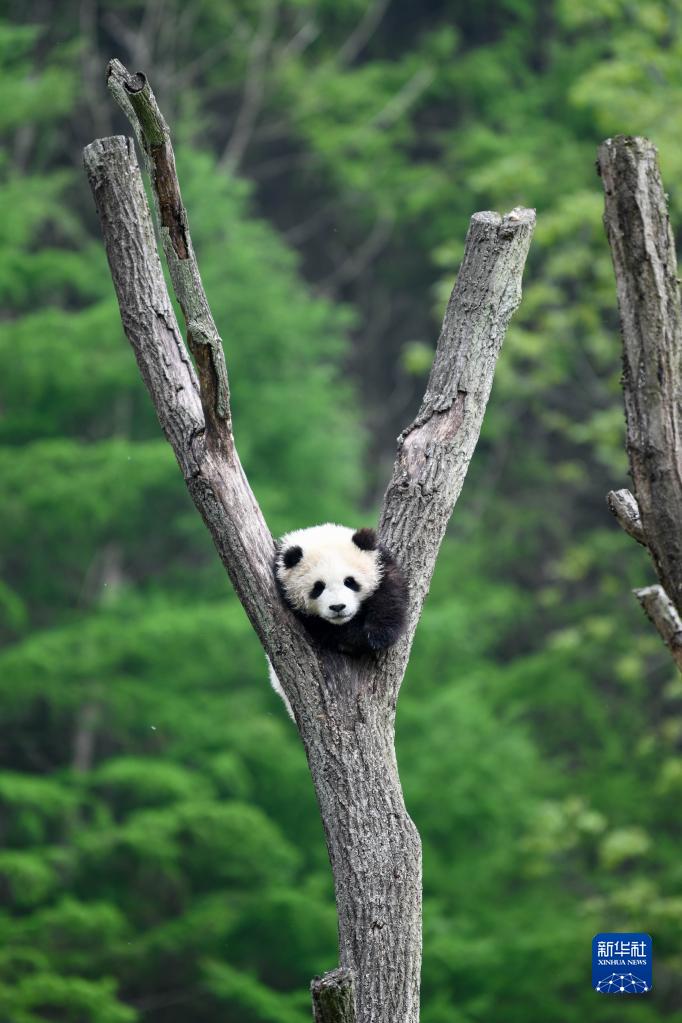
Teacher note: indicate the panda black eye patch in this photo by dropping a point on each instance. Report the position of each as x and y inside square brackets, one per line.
[351, 583]
[316, 590]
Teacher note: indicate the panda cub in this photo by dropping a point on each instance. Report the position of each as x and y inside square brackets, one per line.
[345, 587]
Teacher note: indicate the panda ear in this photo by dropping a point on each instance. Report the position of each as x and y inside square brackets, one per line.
[292, 556]
[365, 539]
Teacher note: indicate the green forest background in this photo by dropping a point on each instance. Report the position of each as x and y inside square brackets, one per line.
[162, 859]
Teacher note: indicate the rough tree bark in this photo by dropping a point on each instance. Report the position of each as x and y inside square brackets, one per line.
[344, 708]
[645, 265]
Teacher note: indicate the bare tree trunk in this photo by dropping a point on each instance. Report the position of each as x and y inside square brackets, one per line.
[645, 265]
[344, 708]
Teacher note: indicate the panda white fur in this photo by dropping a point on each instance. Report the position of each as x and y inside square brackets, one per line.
[346, 588]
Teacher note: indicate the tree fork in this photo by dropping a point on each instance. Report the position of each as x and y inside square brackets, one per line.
[344, 708]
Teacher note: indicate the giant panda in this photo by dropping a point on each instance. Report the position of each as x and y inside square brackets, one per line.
[347, 589]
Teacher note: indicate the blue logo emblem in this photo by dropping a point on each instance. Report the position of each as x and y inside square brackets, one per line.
[621, 964]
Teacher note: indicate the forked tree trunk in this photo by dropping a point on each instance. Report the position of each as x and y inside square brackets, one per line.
[344, 708]
[645, 265]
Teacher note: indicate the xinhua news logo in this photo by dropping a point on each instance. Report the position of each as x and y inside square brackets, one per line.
[621, 964]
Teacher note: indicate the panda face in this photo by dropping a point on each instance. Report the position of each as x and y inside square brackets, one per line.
[328, 571]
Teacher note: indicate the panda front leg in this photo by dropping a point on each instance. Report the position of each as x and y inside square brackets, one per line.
[381, 637]
[385, 616]
[369, 635]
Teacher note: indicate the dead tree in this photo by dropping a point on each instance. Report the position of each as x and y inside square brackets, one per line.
[643, 251]
[344, 708]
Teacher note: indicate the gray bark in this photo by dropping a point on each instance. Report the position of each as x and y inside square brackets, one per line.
[344, 709]
[133, 94]
[661, 611]
[625, 510]
[643, 252]
[333, 997]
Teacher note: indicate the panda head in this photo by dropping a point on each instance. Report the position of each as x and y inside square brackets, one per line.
[328, 571]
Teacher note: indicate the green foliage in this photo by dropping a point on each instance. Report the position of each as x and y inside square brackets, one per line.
[251, 1000]
[162, 856]
[47, 996]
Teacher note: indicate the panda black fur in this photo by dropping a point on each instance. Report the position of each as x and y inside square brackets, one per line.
[346, 588]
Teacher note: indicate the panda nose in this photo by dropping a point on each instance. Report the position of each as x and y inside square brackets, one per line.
[336, 607]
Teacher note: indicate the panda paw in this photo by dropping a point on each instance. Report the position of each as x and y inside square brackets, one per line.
[379, 639]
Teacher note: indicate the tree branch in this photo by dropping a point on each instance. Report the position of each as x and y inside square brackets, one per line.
[662, 612]
[333, 997]
[136, 99]
[254, 87]
[214, 477]
[363, 32]
[148, 317]
[625, 510]
[435, 451]
[643, 252]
